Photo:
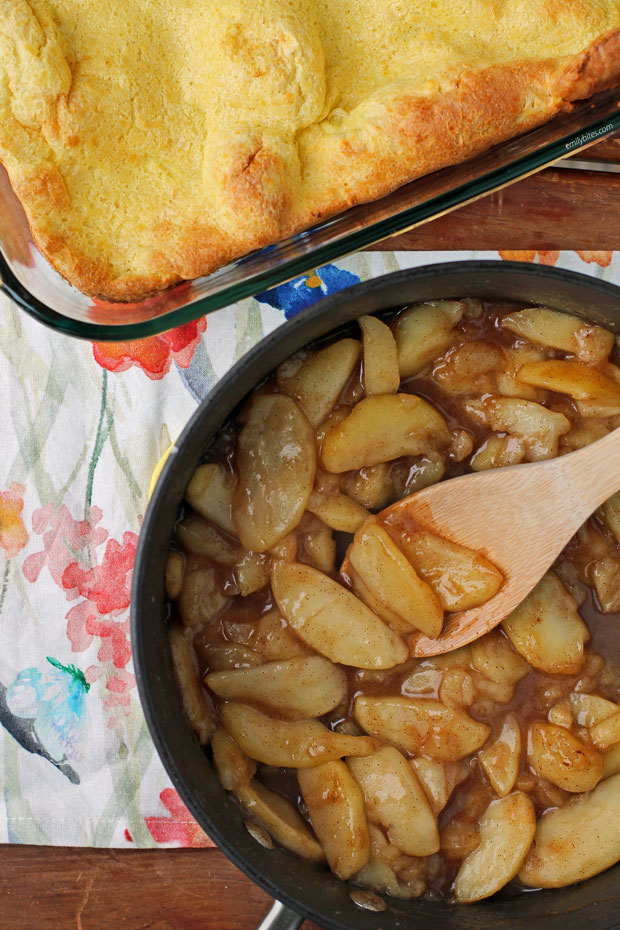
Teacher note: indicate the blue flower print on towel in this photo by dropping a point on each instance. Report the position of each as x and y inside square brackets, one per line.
[302, 292]
[54, 700]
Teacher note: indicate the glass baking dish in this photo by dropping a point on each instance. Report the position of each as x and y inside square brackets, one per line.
[28, 278]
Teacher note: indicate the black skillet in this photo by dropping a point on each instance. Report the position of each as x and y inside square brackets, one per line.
[303, 888]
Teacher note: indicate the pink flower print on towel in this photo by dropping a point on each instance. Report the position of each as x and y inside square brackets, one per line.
[180, 828]
[106, 586]
[64, 540]
[105, 592]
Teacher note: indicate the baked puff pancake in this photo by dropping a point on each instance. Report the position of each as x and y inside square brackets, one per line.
[152, 141]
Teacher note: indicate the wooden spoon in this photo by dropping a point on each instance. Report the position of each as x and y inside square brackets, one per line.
[519, 517]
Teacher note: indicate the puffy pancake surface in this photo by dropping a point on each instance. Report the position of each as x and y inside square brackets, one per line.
[152, 141]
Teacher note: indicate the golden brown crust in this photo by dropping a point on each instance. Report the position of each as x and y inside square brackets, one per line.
[597, 68]
[422, 135]
[270, 184]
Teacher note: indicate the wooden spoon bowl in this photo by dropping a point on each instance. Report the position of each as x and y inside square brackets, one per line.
[519, 517]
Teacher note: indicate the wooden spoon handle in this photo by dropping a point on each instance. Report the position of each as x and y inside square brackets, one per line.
[590, 475]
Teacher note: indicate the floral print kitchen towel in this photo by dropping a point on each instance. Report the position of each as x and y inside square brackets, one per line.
[83, 428]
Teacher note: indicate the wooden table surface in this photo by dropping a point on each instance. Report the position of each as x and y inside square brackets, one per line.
[43, 888]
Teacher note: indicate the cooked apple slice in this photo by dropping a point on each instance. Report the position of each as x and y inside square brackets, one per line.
[280, 819]
[433, 778]
[202, 539]
[590, 709]
[579, 381]
[292, 743]
[232, 766]
[605, 578]
[470, 368]
[561, 715]
[198, 710]
[201, 598]
[317, 385]
[226, 656]
[457, 688]
[547, 630]
[380, 371]
[501, 758]
[558, 330]
[409, 476]
[607, 732]
[559, 757]
[318, 547]
[611, 761]
[276, 465]
[494, 657]
[210, 492]
[439, 779]
[336, 807]
[461, 444]
[378, 606]
[423, 332]
[303, 688]
[378, 876]
[250, 573]
[173, 577]
[382, 567]
[271, 810]
[507, 829]
[610, 511]
[498, 452]
[334, 508]
[382, 428]
[269, 636]
[372, 488]
[332, 620]
[421, 726]
[460, 577]
[507, 382]
[338, 511]
[538, 427]
[574, 842]
[395, 799]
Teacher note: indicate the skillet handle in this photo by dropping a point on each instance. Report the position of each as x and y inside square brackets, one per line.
[280, 918]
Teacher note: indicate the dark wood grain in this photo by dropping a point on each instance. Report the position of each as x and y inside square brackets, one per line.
[608, 149]
[555, 209]
[45, 888]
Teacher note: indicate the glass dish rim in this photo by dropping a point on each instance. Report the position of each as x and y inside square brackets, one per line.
[307, 261]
